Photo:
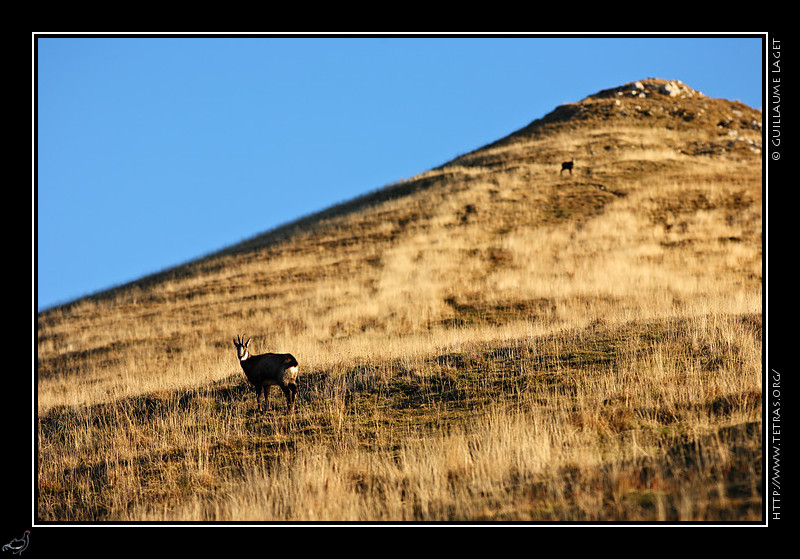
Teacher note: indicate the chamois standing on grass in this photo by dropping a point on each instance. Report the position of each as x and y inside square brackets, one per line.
[267, 369]
[567, 166]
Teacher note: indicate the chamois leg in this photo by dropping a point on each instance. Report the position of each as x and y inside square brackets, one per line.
[267, 388]
[293, 388]
[258, 398]
[289, 390]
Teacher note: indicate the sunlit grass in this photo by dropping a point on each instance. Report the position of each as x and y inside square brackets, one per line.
[505, 343]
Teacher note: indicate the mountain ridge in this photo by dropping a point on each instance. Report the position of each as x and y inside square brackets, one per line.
[495, 339]
[654, 99]
[460, 234]
[668, 103]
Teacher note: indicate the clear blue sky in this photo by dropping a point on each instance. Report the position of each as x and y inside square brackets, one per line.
[154, 151]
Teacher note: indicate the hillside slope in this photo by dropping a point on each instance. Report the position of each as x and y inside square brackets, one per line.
[658, 229]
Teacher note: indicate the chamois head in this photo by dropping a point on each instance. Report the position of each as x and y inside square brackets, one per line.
[241, 346]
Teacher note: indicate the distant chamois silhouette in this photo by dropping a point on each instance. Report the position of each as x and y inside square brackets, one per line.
[567, 166]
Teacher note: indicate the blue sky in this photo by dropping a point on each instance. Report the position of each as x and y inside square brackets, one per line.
[154, 151]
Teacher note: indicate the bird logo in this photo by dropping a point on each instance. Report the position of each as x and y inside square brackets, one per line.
[18, 545]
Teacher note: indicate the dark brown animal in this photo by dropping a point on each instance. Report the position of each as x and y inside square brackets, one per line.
[567, 166]
[264, 371]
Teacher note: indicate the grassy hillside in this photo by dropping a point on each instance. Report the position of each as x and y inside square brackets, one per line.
[490, 340]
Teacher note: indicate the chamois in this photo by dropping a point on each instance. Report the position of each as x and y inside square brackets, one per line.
[267, 369]
[567, 166]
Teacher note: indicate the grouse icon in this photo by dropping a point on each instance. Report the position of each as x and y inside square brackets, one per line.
[18, 545]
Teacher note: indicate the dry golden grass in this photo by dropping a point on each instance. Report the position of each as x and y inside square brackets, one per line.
[488, 341]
